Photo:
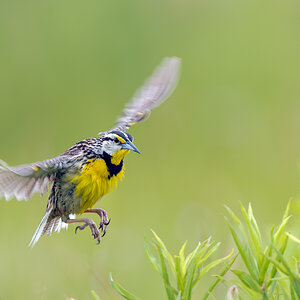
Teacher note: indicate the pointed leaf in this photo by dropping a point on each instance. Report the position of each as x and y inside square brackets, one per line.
[222, 273]
[283, 261]
[202, 259]
[198, 252]
[247, 280]
[189, 281]
[165, 251]
[292, 237]
[211, 265]
[255, 242]
[281, 250]
[179, 273]
[95, 296]
[171, 292]
[151, 257]
[253, 220]
[243, 252]
[287, 210]
[280, 229]
[232, 214]
[121, 291]
[251, 293]
[182, 260]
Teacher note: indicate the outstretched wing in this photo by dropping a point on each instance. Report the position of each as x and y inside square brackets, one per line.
[23, 181]
[155, 90]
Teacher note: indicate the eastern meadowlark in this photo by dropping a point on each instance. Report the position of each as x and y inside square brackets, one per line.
[91, 168]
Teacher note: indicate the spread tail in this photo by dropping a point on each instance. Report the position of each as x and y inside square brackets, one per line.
[47, 226]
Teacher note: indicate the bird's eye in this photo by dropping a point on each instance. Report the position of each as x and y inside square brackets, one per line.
[116, 140]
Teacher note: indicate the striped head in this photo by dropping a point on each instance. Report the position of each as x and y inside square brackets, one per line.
[117, 144]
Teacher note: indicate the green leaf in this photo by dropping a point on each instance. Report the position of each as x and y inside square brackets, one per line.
[279, 265]
[251, 261]
[281, 250]
[193, 262]
[189, 280]
[253, 220]
[171, 292]
[95, 296]
[244, 288]
[293, 294]
[296, 286]
[283, 261]
[179, 273]
[265, 263]
[287, 210]
[151, 257]
[247, 259]
[280, 230]
[292, 237]
[182, 260]
[232, 214]
[164, 251]
[211, 265]
[296, 266]
[285, 268]
[120, 290]
[198, 253]
[222, 273]
[255, 242]
[203, 259]
[247, 280]
[281, 292]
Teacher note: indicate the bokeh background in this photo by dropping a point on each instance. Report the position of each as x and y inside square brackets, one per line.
[229, 133]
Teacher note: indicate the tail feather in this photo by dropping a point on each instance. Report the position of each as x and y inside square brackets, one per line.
[47, 226]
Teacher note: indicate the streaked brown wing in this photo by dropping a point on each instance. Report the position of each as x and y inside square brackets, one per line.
[155, 90]
[23, 181]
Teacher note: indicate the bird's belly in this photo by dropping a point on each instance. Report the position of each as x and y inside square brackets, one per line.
[92, 184]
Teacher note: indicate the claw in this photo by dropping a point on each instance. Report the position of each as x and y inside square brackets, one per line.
[105, 228]
[87, 222]
[101, 225]
[104, 221]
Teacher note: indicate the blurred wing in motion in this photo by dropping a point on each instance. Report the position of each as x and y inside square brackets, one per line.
[23, 181]
[155, 90]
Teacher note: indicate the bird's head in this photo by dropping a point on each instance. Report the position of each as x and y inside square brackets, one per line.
[117, 144]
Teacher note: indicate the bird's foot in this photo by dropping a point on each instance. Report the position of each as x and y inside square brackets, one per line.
[104, 220]
[87, 222]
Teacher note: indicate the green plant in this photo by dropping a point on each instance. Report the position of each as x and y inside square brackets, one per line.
[181, 274]
[267, 273]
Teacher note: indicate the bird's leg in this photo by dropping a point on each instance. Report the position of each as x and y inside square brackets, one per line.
[103, 218]
[87, 222]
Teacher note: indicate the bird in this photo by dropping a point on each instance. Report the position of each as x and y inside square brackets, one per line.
[91, 168]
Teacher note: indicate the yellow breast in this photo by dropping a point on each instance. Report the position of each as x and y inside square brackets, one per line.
[94, 182]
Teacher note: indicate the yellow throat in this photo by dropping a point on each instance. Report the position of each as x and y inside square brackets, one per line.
[97, 178]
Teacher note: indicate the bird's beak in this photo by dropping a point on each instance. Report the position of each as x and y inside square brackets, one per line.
[130, 146]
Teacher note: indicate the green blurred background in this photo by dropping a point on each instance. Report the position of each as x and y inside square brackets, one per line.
[230, 131]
